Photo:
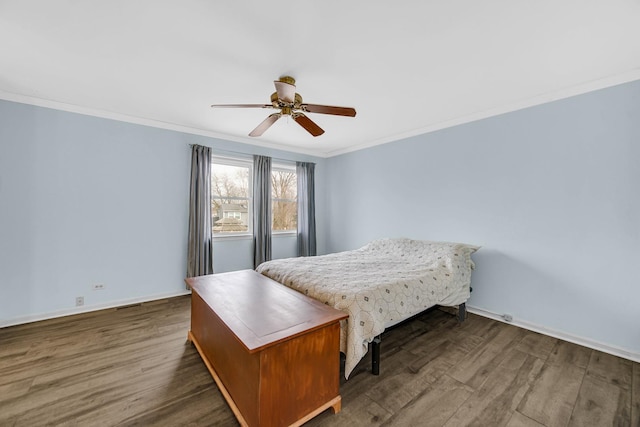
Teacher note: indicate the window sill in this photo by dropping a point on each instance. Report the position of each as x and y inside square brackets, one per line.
[239, 236]
[283, 233]
[247, 236]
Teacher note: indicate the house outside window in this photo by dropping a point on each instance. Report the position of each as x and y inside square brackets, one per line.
[236, 213]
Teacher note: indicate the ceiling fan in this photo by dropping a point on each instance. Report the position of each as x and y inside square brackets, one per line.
[290, 103]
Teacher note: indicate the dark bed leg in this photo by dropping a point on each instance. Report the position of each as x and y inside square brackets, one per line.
[375, 356]
[462, 312]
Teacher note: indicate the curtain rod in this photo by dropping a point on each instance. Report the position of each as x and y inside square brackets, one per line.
[216, 150]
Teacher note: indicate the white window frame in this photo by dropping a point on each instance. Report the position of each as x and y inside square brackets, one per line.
[240, 162]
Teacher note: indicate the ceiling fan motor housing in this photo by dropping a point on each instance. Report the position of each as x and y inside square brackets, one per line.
[278, 103]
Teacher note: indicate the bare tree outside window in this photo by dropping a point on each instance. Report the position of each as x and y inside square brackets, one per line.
[284, 204]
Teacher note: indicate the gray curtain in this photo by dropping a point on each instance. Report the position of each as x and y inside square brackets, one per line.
[306, 209]
[200, 251]
[261, 209]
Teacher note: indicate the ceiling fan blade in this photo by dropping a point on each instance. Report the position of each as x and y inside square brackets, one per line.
[242, 106]
[329, 109]
[266, 124]
[308, 124]
[286, 91]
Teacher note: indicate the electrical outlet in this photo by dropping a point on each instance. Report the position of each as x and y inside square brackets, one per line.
[99, 286]
[79, 301]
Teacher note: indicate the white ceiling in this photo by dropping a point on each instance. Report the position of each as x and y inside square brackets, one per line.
[408, 67]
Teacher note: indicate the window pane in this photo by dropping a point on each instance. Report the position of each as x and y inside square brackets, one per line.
[230, 181]
[284, 206]
[230, 207]
[285, 215]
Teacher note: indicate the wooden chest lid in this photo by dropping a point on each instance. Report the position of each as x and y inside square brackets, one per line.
[260, 311]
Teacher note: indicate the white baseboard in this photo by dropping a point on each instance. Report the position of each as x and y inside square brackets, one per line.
[586, 342]
[605, 348]
[87, 308]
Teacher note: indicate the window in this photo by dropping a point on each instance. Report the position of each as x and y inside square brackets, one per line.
[284, 198]
[231, 204]
[233, 214]
[230, 196]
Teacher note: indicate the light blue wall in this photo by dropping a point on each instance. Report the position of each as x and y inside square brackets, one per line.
[87, 200]
[549, 192]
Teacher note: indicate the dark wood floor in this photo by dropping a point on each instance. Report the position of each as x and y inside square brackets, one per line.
[132, 366]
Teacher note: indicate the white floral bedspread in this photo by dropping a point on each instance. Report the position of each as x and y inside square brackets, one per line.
[380, 284]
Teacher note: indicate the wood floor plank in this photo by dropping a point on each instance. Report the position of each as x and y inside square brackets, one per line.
[50, 396]
[125, 356]
[537, 345]
[476, 367]
[553, 409]
[552, 397]
[434, 406]
[437, 361]
[397, 388]
[519, 420]
[358, 412]
[47, 400]
[15, 389]
[611, 369]
[11, 351]
[110, 393]
[496, 400]
[635, 395]
[181, 412]
[480, 326]
[605, 393]
[465, 338]
[151, 402]
[566, 353]
[599, 402]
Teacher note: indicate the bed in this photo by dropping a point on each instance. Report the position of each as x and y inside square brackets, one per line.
[379, 285]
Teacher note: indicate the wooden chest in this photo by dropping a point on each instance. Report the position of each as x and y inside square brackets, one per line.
[273, 352]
